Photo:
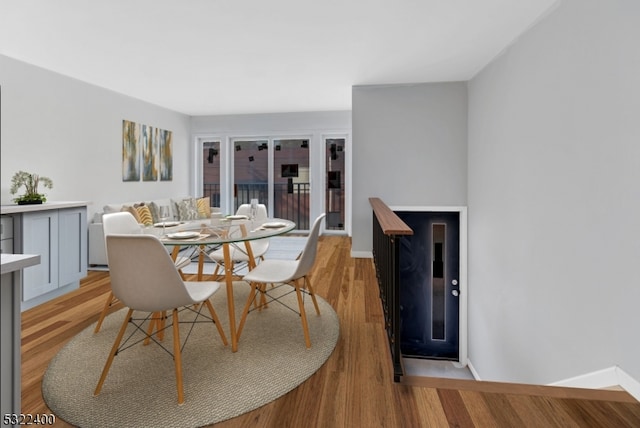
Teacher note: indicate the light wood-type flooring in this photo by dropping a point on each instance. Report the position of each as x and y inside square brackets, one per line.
[355, 387]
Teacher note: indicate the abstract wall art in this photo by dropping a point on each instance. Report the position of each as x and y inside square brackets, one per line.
[166, 155]
[130, 154]
[149, 139]
[146, 152]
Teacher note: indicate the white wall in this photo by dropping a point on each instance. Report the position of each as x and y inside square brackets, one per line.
[409, 148]
[275, 123]
[554, 199]
[71, 131]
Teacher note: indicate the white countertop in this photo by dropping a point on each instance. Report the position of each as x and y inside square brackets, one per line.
[54, 205]
[14, 262]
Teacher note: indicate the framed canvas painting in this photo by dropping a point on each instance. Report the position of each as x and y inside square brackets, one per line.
[149, 138]
[166, 155]
[130, 154]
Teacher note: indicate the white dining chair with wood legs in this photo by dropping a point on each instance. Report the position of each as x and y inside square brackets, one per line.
[286, 272]
[144, 278]
[125, 223]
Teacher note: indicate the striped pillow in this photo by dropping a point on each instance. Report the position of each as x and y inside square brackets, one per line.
[144, 213]
[187, 209]
[155, 212]
[204, 207]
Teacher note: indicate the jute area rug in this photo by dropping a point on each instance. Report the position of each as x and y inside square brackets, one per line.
[140, 389]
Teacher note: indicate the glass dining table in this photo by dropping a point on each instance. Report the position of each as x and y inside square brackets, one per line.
[229, 231]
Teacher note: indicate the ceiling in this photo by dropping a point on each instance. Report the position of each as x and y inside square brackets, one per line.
[207, 57]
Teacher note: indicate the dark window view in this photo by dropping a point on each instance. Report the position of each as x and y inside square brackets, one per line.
[291, 189]
[276, 172]
[437, 282]
[251, 172]
[334, 197]
[211, 172]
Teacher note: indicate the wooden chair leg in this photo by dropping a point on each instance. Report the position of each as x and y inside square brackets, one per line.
[262, 288]
[252, 296]
[303, 315]
[112, 354]
[200, 262]
[312, 294]
[104, 312]
[161, 324]
[157, 322]
[177, 357]
[263, 294]
[152, 325]
[216, 321]
[214, 275]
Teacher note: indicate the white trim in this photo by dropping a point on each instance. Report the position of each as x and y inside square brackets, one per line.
[604, 378]
[198, 144]
[361, 254]
[333, 232]
[197, 181]
[347, 179]
[594, 380]
[473, 370]
[631, 385]
[463, 340]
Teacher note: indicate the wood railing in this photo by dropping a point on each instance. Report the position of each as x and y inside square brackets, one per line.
[388, 230]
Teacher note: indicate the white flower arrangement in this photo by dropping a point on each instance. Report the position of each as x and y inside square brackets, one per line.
[31, 183]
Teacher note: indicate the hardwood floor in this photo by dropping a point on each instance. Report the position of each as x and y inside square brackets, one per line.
[355, 387]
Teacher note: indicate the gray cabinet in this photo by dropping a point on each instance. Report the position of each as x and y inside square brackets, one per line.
[59, 237]
[6, 235]
[72, 245]
[40, 236]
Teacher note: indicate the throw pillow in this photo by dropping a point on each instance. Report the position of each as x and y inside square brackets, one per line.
[187, 209]
[155, 212]
[145, 215]
[133, 211]
[204, 207]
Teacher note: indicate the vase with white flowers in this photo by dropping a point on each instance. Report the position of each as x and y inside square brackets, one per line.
[31, 182]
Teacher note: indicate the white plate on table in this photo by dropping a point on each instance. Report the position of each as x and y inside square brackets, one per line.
[167, 224]
[237, 217]
[274, 225]
[183, 235]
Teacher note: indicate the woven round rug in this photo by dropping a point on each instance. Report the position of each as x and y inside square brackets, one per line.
[140, 389]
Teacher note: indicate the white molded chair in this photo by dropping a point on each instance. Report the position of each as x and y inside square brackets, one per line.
[144, 278]
[293, 272]
[124, 223]
[238, 253]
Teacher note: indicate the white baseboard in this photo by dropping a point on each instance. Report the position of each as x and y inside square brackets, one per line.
[361, 254]
[473, 371]
[631, 385]
[594, 380]
[602, 379]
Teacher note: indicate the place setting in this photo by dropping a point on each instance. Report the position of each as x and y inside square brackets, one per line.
[167, 224]
[270, 225]
[237, 217]
[187, 235]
